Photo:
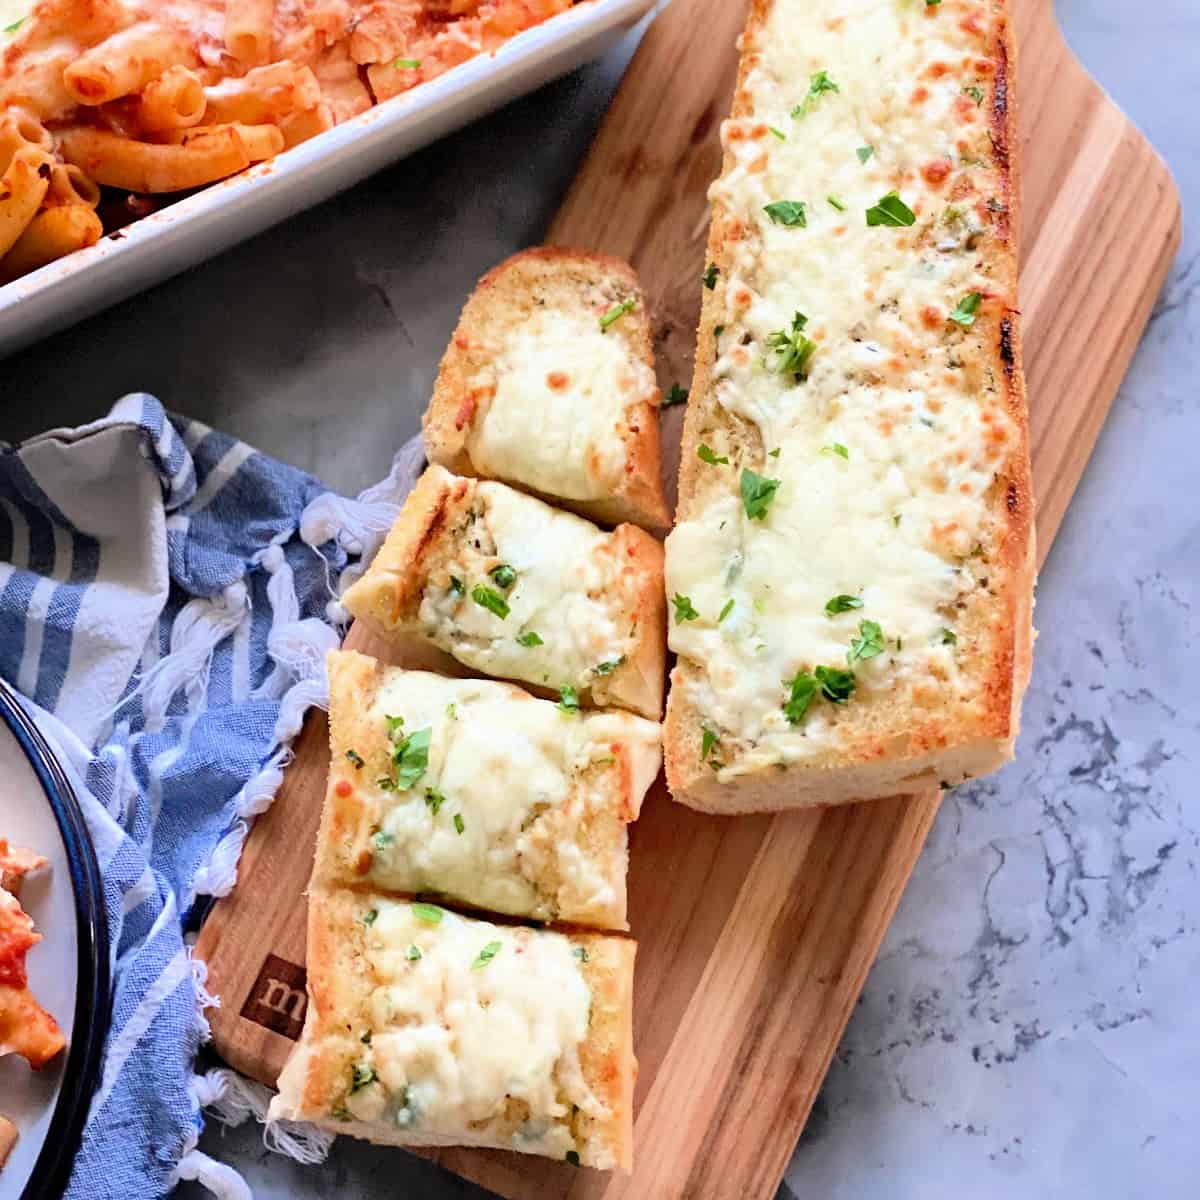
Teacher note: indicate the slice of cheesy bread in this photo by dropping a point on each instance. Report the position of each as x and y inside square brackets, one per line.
[511, 587]
[478, 792]
[425, 1028]
[548, 383]
[853, 558]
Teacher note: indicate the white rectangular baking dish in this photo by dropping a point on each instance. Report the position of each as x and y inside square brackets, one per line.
[157, 246]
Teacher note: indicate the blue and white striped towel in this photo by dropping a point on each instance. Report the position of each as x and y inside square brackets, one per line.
[165, 597]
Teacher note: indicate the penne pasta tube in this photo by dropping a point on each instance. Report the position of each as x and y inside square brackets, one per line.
[53, 233]
[173, 101]
[19, 129]
[87, 20]
[125, 63]
[258, 141]
[248, 30]
[301, 126]
[22, 187]
[69, 186]
[264, 95]
[205, 157]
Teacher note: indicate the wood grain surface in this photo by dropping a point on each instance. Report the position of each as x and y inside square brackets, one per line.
[756, 934]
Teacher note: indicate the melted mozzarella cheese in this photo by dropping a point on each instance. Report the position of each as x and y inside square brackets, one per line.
[520, 782]
[476, 1017]
[566, 592]
[558, 415]
[894, 519]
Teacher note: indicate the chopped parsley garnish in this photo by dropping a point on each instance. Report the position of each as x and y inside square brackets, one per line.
[683, 609]
[891, 210]
[836, 203]
[408, 64]
[490, 599]
[581, 953]
[459, 824]
[726, 610]
[709, 278]
[976, 93]
[793, 351]
[838, 449]
[947, 637]
[355, 758]
[787, 212]
[968, 306]
[486, 955]
[14, 26]
[366, 1038]
[573, 1157]
[429, 913]
[568, 699]
[434, 800]
[837, 686]
[802, 689]
[932, 3]
[452, 711]
[456, 586]
[414, 953]
[381, 840]
[778, 133]
[395, 725]
[504, 576]
[385, 783]
[677, 395]
[615, 313]
[868, 644]
[709, 740]
[529, 638]
[361, 1076]
[757, 494]
[773, 453]
[864, 153]
[370, 917]
[609, 665]
[818, 85]
[842, 603]
[411, 757]
[709, 455]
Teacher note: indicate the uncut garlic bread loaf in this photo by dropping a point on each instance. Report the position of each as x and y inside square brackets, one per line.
[513, 588]
[548, 383]
[852, 568]
[426, 1028]
[476, 791]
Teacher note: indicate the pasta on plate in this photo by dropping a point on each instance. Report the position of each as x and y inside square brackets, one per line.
[162, 96]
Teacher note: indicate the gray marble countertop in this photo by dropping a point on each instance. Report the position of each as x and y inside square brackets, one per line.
[1031, 1027]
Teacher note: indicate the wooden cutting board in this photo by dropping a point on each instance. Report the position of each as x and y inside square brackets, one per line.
[756, 934]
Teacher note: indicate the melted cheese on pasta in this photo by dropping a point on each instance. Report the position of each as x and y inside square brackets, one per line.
[558, 414]
[886, 451]
[468, 1020]
[564, 593]
[517, 785]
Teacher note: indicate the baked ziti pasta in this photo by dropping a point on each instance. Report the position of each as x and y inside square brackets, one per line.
[25, 1027]
[156, 98]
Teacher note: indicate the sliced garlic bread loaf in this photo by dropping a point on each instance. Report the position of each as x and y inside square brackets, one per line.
[852, 567]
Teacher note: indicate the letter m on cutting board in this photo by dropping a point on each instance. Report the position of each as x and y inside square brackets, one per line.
[278, 999]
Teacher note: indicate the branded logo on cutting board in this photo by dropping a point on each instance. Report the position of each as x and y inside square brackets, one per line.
[278, 999]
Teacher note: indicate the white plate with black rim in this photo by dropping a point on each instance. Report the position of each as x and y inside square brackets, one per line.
[68, 969]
